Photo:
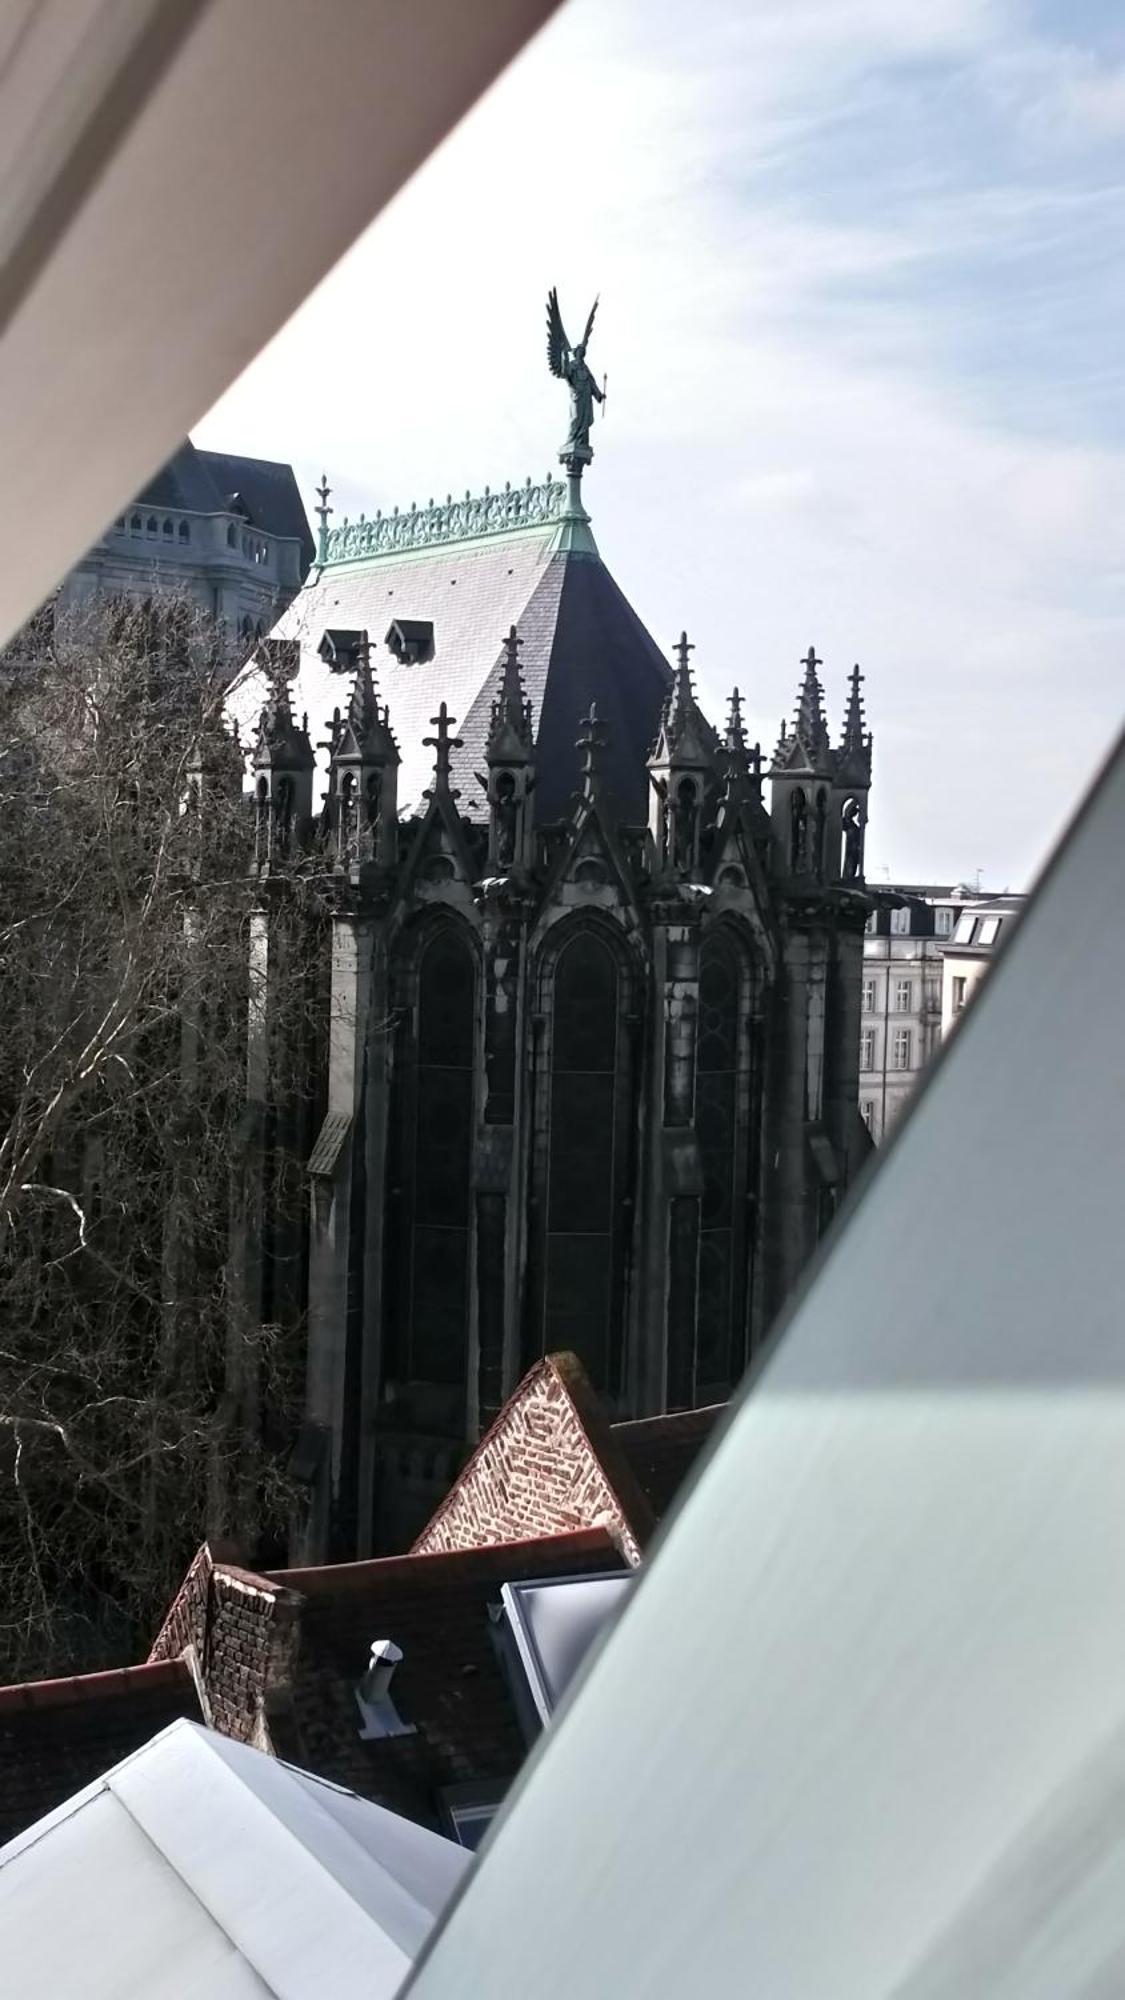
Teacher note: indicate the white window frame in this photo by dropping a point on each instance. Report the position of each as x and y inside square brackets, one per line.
[904, 986]
[902, 1049]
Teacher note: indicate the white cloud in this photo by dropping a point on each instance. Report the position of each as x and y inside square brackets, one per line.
[782, 457]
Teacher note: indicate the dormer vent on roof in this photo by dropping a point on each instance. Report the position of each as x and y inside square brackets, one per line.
[373, 1695]
[411, 641]
[340, 649]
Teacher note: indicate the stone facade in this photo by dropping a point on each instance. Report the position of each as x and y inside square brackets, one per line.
[226, 532]
[584, 1071]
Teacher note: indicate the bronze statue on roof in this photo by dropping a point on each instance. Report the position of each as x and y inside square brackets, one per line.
[570, 365]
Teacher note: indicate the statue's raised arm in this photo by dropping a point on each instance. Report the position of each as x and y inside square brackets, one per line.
[569, 364]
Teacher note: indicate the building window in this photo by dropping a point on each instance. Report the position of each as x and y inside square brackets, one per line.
[583, 1170]
[965, 929]
[185, 532]
[151, 526]
[725, 1046]
[867, 1111]
[903, 991]
[169, 529]
[872, 925]
[232, 538]
[900, 921]
[989, 930]
[943, 922]
[135, 524]
[958, 993]
[869, 996]
[900, 1049]
[434, 1135]
[469, 1811]
[867, 1049]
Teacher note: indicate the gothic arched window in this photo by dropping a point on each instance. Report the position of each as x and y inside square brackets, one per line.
[583, 1174]
[727, 1107]
[434, 1145]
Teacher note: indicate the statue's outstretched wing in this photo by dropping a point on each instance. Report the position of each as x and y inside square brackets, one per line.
[589, 325]
[558, 346]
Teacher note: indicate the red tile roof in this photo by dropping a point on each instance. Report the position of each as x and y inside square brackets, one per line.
[57, 1736]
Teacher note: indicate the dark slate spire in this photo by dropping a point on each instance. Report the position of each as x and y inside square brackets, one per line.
[510, 739]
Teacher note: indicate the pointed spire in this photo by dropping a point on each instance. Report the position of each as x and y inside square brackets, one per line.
[510, 738]
[743, 763]
[279, 741]
[443, 745]
[810, 705]
[855, 743]
[685, 737]
[735, 738]
[363, 735]
[806, 746]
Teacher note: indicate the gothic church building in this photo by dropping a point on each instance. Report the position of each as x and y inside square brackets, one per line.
[581, 1059]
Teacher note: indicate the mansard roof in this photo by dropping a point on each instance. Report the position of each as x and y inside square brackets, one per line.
[474, 569]
[206, 482]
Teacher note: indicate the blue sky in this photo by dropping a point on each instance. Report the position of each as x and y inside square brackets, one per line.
[862, 302]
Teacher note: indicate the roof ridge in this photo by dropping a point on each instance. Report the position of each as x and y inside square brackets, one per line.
[107, 1683]
[442, 522]
[488, 1555]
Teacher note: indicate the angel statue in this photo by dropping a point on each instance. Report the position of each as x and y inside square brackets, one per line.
[569, 363]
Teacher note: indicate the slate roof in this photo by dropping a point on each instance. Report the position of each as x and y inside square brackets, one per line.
[450, 1684]
[580, 641]
[59, 1735]
[204, 482]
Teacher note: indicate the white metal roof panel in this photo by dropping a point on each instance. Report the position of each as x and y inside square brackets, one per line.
[858, 1732]
[202, 1866]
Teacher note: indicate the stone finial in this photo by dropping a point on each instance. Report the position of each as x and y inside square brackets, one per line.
[591, 744]
[323, 511]
[443, 745]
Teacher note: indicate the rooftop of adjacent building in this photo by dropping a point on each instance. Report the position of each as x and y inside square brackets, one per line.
[58, 1735]
[262, 492]
[981, 929]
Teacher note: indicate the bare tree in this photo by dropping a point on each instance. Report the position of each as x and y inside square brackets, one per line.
[124, 899]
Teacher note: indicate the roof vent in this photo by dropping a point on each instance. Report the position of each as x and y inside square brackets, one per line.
[411, 641]
[373, 1695]
[340, 648]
